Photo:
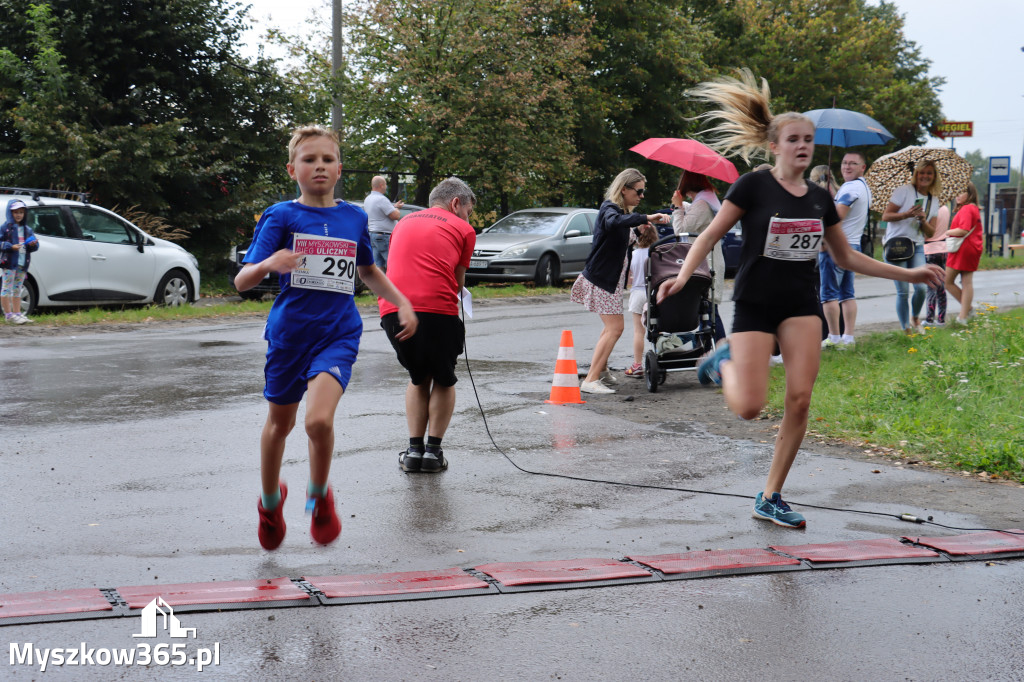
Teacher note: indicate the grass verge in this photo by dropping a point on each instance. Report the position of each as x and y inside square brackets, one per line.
[951, 397]
[152, 313]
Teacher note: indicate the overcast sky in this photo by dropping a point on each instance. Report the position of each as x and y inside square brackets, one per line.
[977, 47]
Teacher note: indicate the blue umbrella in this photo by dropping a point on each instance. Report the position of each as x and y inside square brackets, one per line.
[845, 128]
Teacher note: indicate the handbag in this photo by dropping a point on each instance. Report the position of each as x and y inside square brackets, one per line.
[899, 249]
[953, 244]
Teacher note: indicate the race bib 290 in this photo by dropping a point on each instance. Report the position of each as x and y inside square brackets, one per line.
[328, 264]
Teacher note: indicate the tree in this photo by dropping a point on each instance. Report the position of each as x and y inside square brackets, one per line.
[143, 104]
[818, 52]
[468, 87]
[642, 58]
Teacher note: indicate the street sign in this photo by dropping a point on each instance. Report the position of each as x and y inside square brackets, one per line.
[998, 169]
[954, 129]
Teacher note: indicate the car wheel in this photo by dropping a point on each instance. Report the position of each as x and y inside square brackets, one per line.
[174, 289]
[29, 297]
[251, 295]
[547, 271]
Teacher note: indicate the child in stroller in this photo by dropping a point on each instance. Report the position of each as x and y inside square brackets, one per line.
[681, 329]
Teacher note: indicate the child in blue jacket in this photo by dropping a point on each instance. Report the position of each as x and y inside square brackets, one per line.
[17, 243]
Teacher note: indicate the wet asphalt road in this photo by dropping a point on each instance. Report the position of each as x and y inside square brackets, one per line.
[132, 459]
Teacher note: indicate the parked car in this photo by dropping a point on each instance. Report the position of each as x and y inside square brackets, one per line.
[545, 245]
[270, 283]
[91, 256]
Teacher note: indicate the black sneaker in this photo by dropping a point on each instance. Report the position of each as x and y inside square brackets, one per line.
[410, 460]
[433, 462]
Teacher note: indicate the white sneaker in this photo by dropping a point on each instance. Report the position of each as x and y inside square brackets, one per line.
[595, 387]
[19, 319]
[608, 378]
[775, 360]
[23, 317]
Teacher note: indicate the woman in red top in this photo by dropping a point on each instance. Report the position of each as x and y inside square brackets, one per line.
[966, 223]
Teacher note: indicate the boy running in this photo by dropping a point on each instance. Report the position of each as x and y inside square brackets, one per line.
[316, 245]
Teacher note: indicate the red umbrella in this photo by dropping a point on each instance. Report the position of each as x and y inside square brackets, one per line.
[689, 155]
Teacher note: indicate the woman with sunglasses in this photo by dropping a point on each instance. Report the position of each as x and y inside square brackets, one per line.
[599, 287]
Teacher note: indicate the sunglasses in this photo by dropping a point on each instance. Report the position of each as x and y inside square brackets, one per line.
[639, 192]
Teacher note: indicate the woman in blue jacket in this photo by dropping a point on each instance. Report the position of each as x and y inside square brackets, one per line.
[599, 287]
[17, 242]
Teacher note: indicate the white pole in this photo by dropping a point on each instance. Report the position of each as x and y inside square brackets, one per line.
[336, 65]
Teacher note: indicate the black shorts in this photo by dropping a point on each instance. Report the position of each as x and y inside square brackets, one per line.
[431, 353]
[759, 317]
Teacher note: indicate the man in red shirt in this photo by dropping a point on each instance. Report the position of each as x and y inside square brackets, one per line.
[428, 258]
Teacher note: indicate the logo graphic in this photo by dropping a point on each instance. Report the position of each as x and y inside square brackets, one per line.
[171, 623]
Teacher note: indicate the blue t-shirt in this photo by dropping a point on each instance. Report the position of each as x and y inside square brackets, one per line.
[300, 316]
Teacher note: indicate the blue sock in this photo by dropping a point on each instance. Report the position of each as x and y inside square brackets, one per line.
[433, 444]
[315, 490]
[270, 502]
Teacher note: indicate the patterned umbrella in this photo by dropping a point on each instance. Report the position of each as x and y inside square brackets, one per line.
[893, 170]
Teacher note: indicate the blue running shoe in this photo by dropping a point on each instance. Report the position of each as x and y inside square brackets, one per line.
[775, 509]
[710, 370]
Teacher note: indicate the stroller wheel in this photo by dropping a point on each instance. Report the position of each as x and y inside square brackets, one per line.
[652, 373]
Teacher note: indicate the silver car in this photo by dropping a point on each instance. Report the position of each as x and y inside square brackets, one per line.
[545, 245]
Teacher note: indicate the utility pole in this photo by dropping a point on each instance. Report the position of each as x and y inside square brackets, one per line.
[337, 114]
[1016, 227]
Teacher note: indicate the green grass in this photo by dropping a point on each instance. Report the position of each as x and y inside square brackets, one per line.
[150, 313]
[951, 396]
[222, 287]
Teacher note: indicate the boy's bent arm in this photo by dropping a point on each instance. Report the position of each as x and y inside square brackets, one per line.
[381, 286]
[252, 274]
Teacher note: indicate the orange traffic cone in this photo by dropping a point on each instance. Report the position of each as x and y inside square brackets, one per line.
[565, 388]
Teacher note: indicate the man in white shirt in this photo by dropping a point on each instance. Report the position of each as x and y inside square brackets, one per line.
[382, 216]
[852, 202]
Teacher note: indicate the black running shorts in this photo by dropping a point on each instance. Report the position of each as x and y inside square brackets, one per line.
[758, 317]
[432, 351]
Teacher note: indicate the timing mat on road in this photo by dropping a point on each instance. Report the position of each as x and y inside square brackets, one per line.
[496, 578]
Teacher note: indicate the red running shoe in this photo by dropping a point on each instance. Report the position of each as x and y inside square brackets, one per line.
[272, 526]
[326, 526]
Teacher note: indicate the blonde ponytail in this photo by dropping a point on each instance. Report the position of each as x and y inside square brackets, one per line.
[743, 107]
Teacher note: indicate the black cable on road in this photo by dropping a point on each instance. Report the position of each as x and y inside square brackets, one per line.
[910, 518]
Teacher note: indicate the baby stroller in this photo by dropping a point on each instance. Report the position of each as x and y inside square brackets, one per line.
[681, 329]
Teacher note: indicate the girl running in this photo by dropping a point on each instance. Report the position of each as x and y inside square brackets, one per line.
[784, 221]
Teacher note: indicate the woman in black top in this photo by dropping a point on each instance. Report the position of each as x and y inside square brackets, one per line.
[776, 287]
[599, 286]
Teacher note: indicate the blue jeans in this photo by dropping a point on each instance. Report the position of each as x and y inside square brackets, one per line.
[903, 311]
[836, 283]
[379, 242]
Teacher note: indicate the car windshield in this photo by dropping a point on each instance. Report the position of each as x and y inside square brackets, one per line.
[528, 223]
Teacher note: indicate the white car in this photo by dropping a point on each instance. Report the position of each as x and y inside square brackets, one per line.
[91, 256]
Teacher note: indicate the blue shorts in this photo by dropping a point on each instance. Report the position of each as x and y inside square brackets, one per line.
[836, 283]
[288, 369]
